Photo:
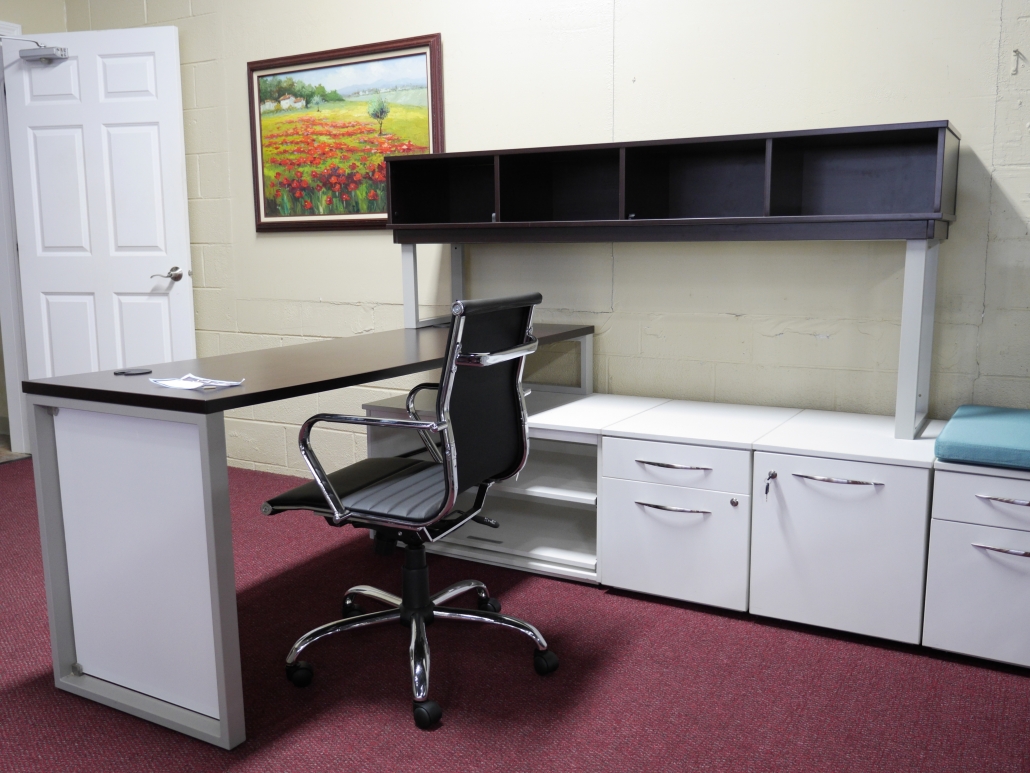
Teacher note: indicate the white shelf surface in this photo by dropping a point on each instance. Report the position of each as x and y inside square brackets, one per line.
[589, 414]
[533, 535]
[553, 475]
[701, 423]
[850, 436]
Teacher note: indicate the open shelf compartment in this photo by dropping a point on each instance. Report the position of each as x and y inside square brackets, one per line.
[560, 186]
[556, 471]
[703, 179]
[534, 536]
[443, 190]
[862, 173]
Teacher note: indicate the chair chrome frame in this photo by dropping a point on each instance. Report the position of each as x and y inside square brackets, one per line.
[417, 607]
[446, 453]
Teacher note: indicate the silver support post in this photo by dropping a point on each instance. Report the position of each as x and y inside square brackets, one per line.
[911, 410]
[409, 282]
[457, 272]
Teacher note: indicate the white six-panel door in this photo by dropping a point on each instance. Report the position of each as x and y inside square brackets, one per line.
[98, 163]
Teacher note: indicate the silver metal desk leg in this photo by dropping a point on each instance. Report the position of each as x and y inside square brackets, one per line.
[137, 556]
[911, 410]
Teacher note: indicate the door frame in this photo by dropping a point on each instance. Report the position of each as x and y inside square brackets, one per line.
[12, 326]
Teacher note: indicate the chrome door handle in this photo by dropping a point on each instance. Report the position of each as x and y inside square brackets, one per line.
[1006, 551]
[174, 273]
[1020, 502]
[671, 509]
[669, 466]
[845, 481]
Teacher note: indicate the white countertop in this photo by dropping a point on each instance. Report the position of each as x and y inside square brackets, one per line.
[850, 436]
[586, 413]
[700, 423]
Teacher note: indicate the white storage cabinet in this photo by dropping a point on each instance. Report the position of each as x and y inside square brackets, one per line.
[840, 539]
[674, 517]
[978, 571]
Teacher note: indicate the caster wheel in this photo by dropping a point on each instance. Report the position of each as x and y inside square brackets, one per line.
[545, 662]
[300, 673]
[490, 605]
[427, 713]
[351, 610]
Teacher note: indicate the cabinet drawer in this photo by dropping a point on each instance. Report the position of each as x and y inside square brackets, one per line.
[714, 469]
[700, 557]
[960, 496]
[978, 600]
[839, 555]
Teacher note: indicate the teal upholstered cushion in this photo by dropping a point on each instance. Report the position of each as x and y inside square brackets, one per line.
[981, 434]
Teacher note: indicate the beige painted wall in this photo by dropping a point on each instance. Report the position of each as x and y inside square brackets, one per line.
[806, 324]
[34, 15]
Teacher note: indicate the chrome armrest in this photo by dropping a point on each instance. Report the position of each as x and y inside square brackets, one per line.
[427, 441]
[341, 513]
[492, 358]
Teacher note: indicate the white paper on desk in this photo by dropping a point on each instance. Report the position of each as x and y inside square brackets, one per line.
[189, 381]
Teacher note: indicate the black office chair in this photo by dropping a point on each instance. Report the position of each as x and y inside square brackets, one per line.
[481, 421]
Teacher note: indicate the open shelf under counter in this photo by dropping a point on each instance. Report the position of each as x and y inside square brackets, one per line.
[535, 536]
[562, 472]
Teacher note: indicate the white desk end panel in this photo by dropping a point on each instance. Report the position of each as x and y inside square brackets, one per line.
[138, 563]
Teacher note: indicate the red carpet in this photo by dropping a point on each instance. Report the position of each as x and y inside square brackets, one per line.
[644, 685]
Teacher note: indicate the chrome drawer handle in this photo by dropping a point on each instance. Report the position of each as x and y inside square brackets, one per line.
[1020, 502]
[671, 509]
[1006, 551]
[673, 466]
[845, 481]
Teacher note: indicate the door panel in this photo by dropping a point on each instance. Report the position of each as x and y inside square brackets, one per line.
[58, 82]
[70, 329]
[134, 188]
[59, 185]
[128, 77]
[144, 329]
[98, 162]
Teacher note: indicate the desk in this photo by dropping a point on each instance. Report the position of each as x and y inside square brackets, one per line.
[133, 496]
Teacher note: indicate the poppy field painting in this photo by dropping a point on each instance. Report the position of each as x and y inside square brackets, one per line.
[322, 124]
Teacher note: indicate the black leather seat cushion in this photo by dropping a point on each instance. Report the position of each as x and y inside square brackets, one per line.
[397, 487]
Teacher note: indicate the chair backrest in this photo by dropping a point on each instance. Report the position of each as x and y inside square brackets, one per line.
[483, 405]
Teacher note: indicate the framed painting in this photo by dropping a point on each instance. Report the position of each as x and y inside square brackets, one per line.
[320, 125]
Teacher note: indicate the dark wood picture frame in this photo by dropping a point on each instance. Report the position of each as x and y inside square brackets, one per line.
[285, 65]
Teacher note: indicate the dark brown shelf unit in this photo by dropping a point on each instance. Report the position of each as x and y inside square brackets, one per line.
[870, 182]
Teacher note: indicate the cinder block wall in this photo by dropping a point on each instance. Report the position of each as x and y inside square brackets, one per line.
[811, 324]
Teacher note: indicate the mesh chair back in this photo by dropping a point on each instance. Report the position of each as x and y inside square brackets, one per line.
[485, 407]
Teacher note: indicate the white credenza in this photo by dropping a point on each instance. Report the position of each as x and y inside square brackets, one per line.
[668, 497]
[978, 571]
[839, 540]
[674, 512]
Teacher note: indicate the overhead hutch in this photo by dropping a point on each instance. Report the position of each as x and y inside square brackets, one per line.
[719, 504]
